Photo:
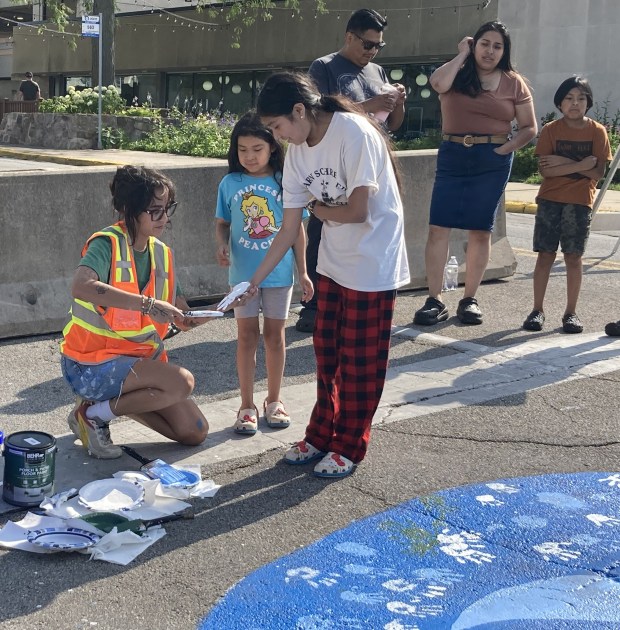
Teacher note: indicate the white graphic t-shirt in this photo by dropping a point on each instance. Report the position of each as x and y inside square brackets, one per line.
[369, 256]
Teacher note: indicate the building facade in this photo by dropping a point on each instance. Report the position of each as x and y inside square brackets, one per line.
[176, 55]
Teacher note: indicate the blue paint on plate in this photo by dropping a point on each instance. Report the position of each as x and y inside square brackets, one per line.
[515, 554]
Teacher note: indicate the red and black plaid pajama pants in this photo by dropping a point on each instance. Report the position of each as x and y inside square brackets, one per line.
[351, 344]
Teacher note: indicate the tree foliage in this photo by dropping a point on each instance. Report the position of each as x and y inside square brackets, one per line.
[237, 14]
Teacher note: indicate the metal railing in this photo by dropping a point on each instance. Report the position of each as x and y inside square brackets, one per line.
[25, 107]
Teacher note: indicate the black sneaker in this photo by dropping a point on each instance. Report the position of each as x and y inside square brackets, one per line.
[571, 323]
[534, 321]
[305, 323]
[613, 329]
[431, 313]
[468, 311]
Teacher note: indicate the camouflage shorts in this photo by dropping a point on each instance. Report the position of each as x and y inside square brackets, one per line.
[557, 223]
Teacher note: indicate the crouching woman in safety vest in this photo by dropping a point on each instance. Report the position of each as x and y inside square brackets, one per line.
[124, 299]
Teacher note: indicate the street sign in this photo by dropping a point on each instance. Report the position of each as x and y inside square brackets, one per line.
[90, 25]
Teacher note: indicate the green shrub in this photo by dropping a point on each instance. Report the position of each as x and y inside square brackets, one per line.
[524, 164]
[113, 138]
[144, 111]
[430, 140]
[85, 101]
[208, 135]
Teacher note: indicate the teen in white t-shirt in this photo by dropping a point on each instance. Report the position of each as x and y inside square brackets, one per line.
[339, 166]
[368, 256]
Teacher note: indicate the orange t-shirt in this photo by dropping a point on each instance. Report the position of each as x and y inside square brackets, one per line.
[489, 113]
[557, 138]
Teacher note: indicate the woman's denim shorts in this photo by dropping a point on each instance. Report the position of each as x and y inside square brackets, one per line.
[103, 381]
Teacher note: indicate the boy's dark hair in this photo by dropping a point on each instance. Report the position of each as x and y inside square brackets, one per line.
[467, 80]
[364, 20]
[250, 125]
[283, 90]
[133, 188]
[567, 85]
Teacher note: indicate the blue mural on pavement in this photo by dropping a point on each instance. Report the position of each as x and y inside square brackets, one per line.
[516, 554]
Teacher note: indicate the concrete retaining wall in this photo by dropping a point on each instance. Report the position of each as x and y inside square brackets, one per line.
[47, 217]
[67, 131]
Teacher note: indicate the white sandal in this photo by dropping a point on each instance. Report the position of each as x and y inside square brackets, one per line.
[247, 421]
[333, 466]
[275, 415]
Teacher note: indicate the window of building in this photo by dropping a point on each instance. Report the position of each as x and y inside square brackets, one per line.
[139, 89]
[233, 92]
[422, 110]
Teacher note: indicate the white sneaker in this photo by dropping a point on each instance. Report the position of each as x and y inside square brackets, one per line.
[95, 438]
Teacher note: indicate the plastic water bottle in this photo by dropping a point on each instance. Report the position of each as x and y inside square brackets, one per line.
[451, 274]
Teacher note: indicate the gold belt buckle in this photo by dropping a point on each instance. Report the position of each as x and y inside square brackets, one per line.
[468, 141]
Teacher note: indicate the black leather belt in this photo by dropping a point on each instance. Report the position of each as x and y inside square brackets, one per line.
[469, 140]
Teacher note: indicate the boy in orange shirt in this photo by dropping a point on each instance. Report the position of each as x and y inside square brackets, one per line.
[573, 152]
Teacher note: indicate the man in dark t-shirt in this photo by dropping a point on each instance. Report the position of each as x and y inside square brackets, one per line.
[351, 73]
[28, 89]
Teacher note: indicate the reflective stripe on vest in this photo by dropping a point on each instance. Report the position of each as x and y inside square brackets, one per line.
[97, 334]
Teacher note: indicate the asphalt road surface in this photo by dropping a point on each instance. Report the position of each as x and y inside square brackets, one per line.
[265, 509]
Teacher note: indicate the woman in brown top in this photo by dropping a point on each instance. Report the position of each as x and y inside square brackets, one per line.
[480, 96]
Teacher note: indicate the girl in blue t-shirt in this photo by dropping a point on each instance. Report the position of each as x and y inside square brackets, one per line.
[248, 216]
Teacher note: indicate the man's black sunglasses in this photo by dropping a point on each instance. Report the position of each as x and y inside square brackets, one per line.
[368, 45]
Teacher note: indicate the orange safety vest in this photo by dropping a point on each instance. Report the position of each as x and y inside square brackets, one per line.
[95, 334]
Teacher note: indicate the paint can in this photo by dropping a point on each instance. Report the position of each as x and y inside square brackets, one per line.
[29, 467]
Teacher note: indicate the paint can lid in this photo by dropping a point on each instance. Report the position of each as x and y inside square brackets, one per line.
[30, 440]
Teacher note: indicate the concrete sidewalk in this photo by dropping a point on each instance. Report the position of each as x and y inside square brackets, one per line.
[519, 197]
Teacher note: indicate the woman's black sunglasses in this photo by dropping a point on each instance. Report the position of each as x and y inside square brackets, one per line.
[157, 214]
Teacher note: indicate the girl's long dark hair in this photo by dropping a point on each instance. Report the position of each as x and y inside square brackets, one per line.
[283, 90]
[133, 188]
[249, 125]
[467, 80]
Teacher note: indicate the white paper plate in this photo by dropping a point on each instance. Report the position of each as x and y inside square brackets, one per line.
[62, 538]
[112, 495]
[203, 313]
[237, 291]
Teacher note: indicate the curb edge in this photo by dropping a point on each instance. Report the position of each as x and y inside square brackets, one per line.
[521, 207]
[56, 159]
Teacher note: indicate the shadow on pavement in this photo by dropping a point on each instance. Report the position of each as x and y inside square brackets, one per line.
[34, 581]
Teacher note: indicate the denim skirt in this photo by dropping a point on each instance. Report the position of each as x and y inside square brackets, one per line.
[469, 183]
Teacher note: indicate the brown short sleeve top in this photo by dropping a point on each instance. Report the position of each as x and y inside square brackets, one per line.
[488, 113]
